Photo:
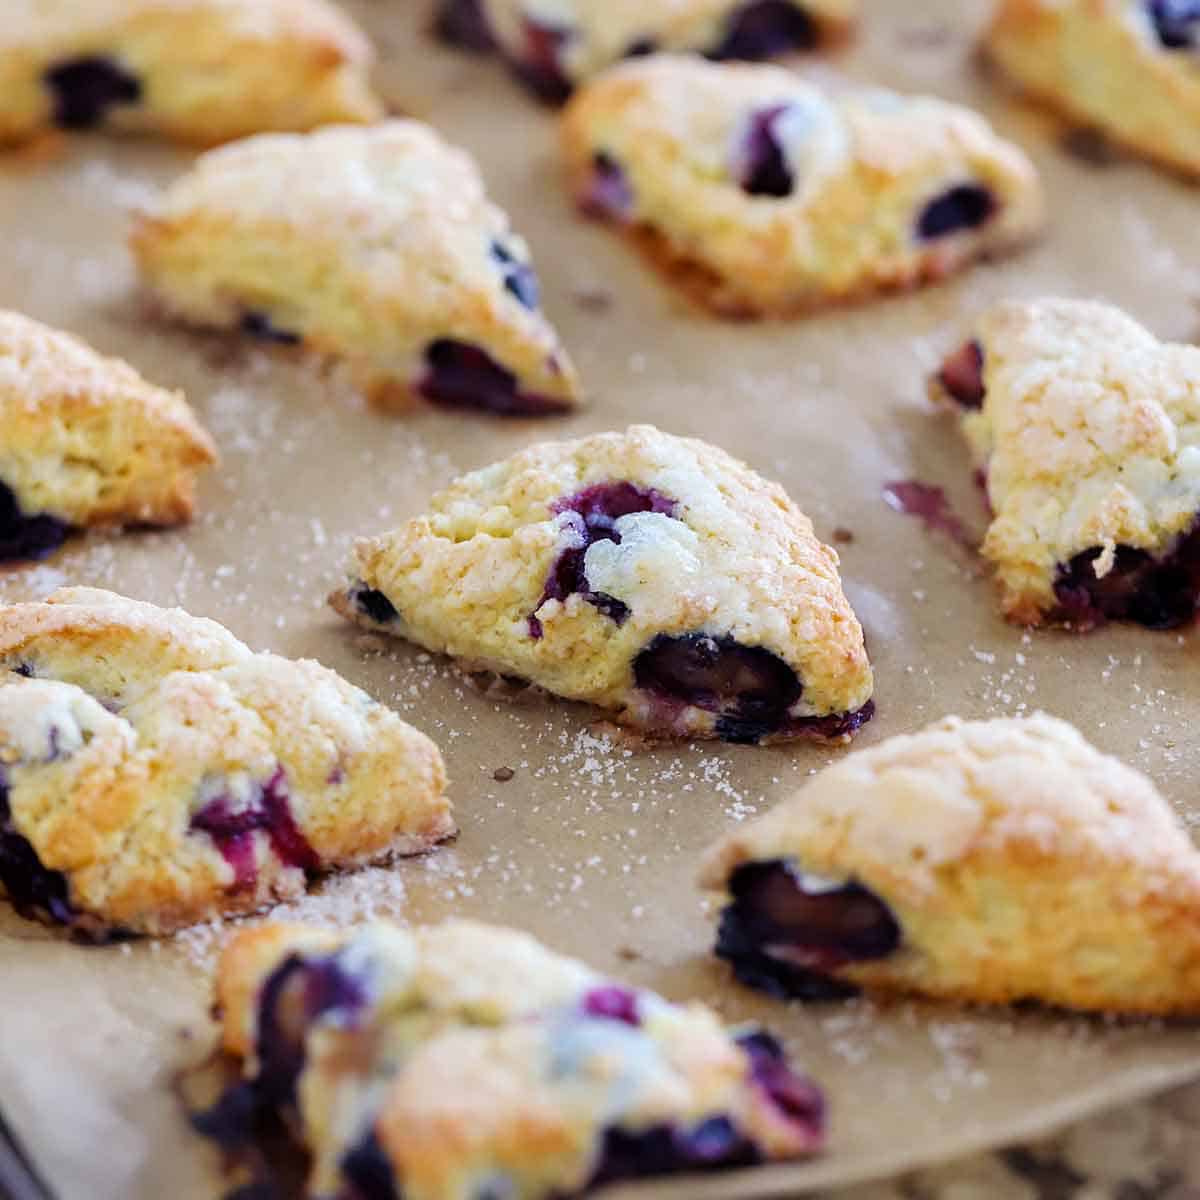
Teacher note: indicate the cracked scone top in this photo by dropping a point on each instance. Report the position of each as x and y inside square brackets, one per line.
[760, 194]
[155, 772]
[989, 861]
[1087, 431]
[1130, 68]
[654, 576]
[554, 46]
[377, 246]
[464, 1060]
[85, 440]
[196, 70]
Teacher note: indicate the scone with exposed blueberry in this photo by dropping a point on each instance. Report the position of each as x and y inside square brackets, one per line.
[553, 48]
[86, 441]
[1130, 68]
[762, 195]
[155, 772]
[374, 246]
[461, 1061]
[653, 576]
[989, 861]
[196, 70]
[1086, 431]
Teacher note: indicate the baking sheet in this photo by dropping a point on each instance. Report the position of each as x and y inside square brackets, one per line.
[590, 846]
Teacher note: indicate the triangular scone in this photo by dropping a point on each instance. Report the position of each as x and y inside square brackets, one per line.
[1126, 67]
[85, 440]
[377, 246]
[651, 575]
[463, 1060]
[989, 861]
[763, 195]
[554, 53]
[154, 772]
[1085, 430]
[197, 70]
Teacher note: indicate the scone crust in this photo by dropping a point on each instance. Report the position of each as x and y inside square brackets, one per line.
[86, 439]
[1088, 437]
[209, 70]
[740, 560]
[865, 165]
[1100, 62]
[1020, 862]
[122, 725]
[367, 244]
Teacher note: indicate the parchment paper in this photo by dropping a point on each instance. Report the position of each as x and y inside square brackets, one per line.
[589, 846]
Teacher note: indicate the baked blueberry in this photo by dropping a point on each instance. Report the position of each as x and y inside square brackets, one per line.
[607, 193]
[259, 325]
[1177, 22]
[766, 28]
[539, 66]
[85, 89]
[962, 375]
[963, 208]
[463, 23]
[34, 891]
[372, 604]
[519, 276]
[27, 537]
[461, 375]
[763, 168]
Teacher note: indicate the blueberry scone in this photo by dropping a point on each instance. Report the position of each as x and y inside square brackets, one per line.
[1130, 68]
[653, 576]
[462, 1061]
[375, 246]
[86, 441]
[989, 861]
[762, 195]
[555, 47]
[196, 70]
[1086, 431]
[155, 772]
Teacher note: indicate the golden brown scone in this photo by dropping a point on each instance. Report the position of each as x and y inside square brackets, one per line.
[1126, 67]
[653, 576]
[464, 1060]
[762, 195]
[989, 861]
[155, 772]
[552, 50]
[85, 441]
[1085, 429]
[196, 70]
[374, 246]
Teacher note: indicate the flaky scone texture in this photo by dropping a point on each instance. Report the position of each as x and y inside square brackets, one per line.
[672, 150]
[1102, 62]
[601, 32]
[86, 439]
[706, 548]
[465, 1055]
[1089, 439]
[156, 772]
[1019, 861]
[375, 246]
[196, 70]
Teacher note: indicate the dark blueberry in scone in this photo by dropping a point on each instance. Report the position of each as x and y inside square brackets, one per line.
[85, 89]
[763, 166]
[367, 1169]
[372, 604]
[749, 687]
[1177, 22]
[35, 891]
[608, 193]
[519, 276]
[784, 930]
[259, 325]
[463, 23]
[539, 67]
[962, 208]
[613, 1004]
[27, 537]
[668, 1150]
[765, 28]
[961, 375]
[794, 1095]
[464, 376]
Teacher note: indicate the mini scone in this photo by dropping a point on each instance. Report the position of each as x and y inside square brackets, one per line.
[463, 1060]
[1130, 68]
[653, 576]
[554, 50]
[1086, 430]
[377, 246]
[988, 861]
[84, 441]
[155, 772]
[195, 70]
[761, 195]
